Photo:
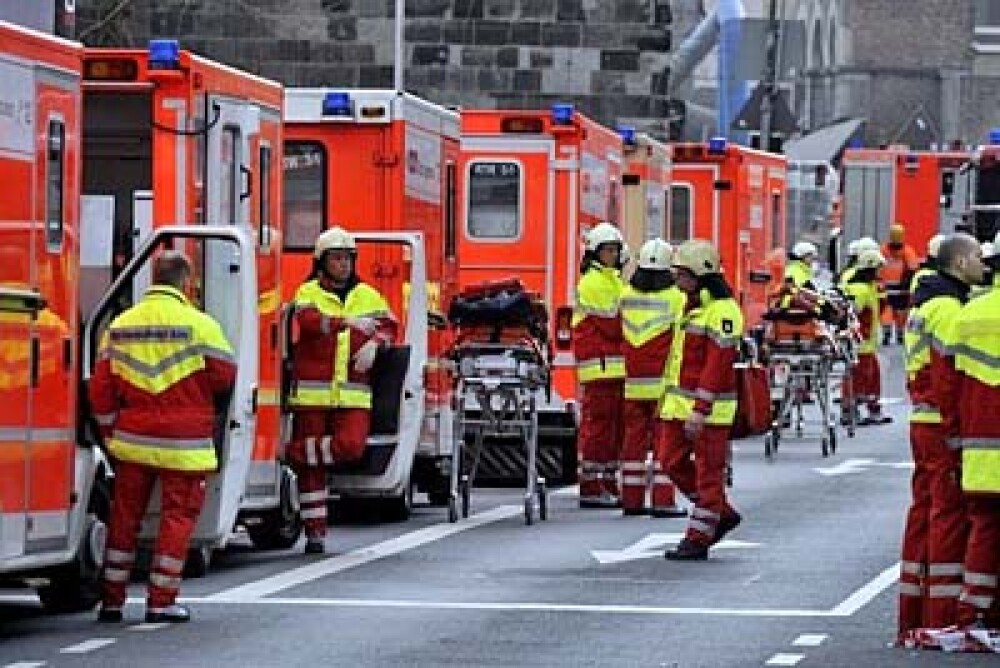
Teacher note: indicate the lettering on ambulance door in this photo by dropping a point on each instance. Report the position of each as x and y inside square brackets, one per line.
[681, 212]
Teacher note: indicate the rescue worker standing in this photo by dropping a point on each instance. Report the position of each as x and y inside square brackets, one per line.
[799, 271]
[699, 405]
[342, 324]
[854, 249]
[865, 382]
[971, 395]
[930, 263]
[650, 305]
[935, 534]
[900, 264]
[600, 367]
[163, 367]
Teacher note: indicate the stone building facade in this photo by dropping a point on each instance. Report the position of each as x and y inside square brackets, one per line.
[607, 56]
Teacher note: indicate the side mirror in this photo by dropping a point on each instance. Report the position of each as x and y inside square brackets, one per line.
[759, 276]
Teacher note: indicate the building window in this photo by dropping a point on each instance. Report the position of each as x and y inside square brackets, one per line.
[304, 193]
[494, 201]
[988, 13]
[987, 32]
[681, 212]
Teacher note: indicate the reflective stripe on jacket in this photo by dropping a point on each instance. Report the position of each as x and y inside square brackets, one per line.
[929, 340]
[648, 320]
[321, 360]
[597, 328]
[161, 365]
[700, 373]
[977, 363]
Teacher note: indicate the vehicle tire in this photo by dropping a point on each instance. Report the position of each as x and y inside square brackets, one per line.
[76, 587]
[275, 531]
[197, 562]
[399, 508]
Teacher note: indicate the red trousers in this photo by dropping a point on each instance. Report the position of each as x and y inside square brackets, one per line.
[182, 496]
[865, 384]
[319, 439]
[641, 419]
[982, 560]
[702, 478]
[935, 536]
[600, 437]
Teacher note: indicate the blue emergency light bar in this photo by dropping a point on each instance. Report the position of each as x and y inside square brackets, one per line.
[627, 133]
[164, 54]
[995, 137]
[337, 104]
[562, 114]
[717, 146]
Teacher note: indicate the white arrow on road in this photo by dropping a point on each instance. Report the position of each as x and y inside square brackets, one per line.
[859, 466]
[653, 545]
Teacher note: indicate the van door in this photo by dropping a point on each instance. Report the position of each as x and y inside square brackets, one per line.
[236, 280]
[509, 212]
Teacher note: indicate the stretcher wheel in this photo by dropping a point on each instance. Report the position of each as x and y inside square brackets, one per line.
[543, 500]
[465, 490]
[833, 440]
[452, 510]
[825, 446]
[197, 562]
[529, 511]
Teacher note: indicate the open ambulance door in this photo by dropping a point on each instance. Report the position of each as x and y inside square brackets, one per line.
[383, 477]
[226, 279]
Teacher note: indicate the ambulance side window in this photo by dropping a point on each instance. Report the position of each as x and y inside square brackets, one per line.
[494, 201]
[55, 169]
[304, 193]
[681, 212]
[777, 224]
[230, 165]
[264, 219]
[449, 210]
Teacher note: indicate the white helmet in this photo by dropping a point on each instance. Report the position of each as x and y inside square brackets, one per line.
[870, 259]
[698, 256]
[655, 254]
[603, 233]
[989, 249]
[867, 243]
[804, 249]
[335, 238]
[934, 245]
[853, 248]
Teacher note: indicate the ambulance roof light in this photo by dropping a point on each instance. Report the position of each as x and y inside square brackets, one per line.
[164, 54]
[995, 137]
[337, 104]
[627, 133]
[717, 146]
[562, 114]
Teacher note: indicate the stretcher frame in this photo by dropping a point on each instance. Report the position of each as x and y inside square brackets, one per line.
[497, 386]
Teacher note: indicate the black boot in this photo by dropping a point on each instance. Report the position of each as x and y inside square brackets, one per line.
[176, 614]
[726, 524]
[687, 550]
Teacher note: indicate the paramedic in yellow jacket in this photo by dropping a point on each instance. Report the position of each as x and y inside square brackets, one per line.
[600, 367]
[650, 306]
[699, 405]
[342, 324]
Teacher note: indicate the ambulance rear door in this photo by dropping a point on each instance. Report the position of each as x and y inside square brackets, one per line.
[509, 229]
[695, 203]
[231, 298]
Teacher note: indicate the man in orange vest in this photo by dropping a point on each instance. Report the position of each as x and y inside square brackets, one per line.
[901, 262]
[342, 323]
[161, 368]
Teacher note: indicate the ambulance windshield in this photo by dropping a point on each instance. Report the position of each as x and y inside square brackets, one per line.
[494, 209]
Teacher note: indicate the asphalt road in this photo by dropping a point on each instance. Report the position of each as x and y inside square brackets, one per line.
[807, 580]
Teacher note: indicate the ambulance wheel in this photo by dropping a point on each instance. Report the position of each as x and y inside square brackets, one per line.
[275, 531]
[76, 587]
[399, 508]
[197, 562]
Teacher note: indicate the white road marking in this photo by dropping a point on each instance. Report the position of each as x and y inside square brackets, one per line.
[869, 591]
[860, 466]
[653, 545]
[25, 664]
[515, 607]
[785, 659]
[408, 541]
[810, 639]
[145, 626]
[88, 646]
